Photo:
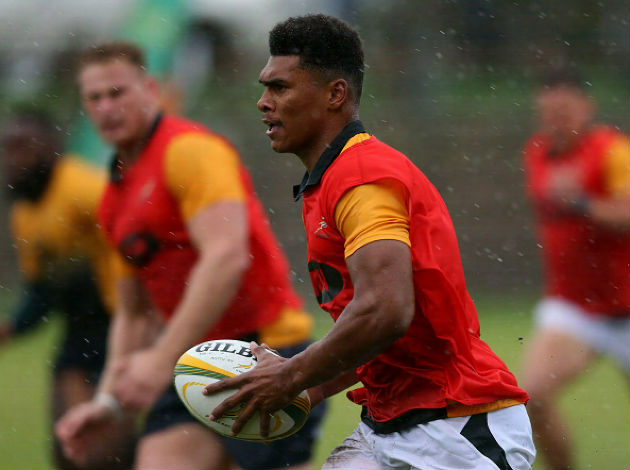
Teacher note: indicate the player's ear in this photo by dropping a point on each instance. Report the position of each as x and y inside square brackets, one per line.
[153, 86]
[339, 93]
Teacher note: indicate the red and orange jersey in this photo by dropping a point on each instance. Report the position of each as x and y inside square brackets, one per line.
[440, 362]
[584, 262]
[183, 169]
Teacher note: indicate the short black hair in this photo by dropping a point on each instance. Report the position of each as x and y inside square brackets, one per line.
[561, 76]
[323, 43]
[25, 119]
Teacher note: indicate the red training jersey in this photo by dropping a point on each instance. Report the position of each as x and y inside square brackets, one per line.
[584, 263]
[144, 222]
[441, 360]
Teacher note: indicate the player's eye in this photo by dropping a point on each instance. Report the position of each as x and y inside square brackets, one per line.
[116, 92]
[277, 87]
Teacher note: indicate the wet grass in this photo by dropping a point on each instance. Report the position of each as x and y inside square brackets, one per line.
[597, 405]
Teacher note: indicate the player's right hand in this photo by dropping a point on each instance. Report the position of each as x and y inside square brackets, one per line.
[81, 428]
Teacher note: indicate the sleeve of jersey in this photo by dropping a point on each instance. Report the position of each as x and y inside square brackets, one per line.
[371, 212]
[85, 184]
[28, 260]
[110, 267]
[201, 170]
[618, 167]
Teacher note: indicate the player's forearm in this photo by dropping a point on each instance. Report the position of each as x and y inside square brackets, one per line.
[319, 393]
[128, 332]
[611, 213]
[381, 310]
[212, 285]
[364, 329]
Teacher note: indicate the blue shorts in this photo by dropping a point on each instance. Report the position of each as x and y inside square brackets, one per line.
[296, 449]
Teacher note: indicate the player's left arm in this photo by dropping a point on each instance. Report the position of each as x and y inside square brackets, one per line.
[613, 211]
[204, 175]
[220, 233]
[379, 313]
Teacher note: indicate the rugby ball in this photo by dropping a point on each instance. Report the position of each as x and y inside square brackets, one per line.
[212, 361]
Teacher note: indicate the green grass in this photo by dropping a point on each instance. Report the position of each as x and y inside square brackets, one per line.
[25, 440]
[597, 406]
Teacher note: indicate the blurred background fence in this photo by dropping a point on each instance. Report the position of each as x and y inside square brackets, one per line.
[448, 82]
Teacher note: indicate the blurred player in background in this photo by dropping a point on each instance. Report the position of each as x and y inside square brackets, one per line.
[63, 259]
[384, 262]
[578, 179]
[196, 248]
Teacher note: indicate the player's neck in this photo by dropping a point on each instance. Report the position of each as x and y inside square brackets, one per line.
[564, 143]
[311, 154]
[128, 152]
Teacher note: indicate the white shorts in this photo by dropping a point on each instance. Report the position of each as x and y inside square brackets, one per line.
[500, 439]
[605, 335]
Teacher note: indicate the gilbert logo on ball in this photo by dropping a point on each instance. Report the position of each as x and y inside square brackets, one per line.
[211, 361]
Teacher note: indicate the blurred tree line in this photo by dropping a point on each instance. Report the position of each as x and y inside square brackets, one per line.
[448, 82]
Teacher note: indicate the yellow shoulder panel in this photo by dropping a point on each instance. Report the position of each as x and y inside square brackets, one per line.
[617, 167]
[201, 170]
[355, 140]
[371, 212]
[26, 252]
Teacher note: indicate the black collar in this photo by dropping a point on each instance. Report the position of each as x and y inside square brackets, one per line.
[116, 166]
[326, 158]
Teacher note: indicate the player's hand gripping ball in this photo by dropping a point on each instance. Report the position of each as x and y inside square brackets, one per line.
[211, 361]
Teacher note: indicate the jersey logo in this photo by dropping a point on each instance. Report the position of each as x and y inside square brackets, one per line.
[146, 190]
[139, 248]
[327, 281]
[322, 226]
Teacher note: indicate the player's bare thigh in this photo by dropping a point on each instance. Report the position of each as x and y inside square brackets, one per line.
[553, 360]
[182, 447]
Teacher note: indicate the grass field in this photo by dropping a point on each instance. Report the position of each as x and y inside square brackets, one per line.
[597, 405]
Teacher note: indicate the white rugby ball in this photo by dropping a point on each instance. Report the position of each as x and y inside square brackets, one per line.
[212, 361]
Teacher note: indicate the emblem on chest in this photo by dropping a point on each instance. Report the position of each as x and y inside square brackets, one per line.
[320, 231]
[146, 191]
